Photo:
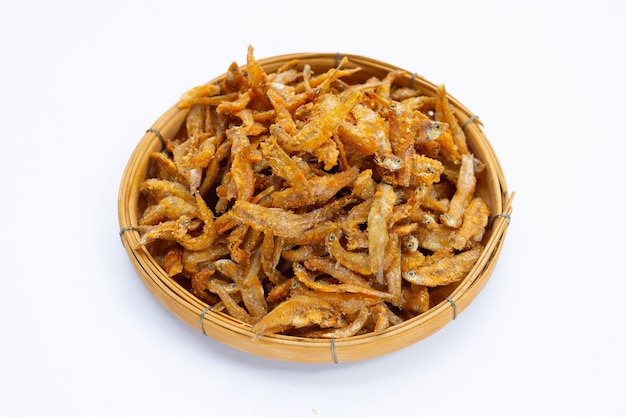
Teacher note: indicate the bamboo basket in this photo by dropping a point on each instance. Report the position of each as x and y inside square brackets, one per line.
[491, 187]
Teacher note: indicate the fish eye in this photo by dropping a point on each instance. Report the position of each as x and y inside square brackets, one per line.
[331, 237]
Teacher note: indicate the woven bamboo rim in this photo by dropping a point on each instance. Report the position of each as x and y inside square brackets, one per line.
[224, 328]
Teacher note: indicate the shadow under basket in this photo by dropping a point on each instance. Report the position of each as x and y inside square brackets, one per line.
[491, 187]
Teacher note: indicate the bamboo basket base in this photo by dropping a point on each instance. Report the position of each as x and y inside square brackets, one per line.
[225, 329]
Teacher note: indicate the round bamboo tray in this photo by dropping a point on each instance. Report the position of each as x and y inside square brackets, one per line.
[491, 187]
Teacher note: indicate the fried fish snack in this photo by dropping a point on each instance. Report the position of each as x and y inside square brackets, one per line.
[297, 312]
[313, 205]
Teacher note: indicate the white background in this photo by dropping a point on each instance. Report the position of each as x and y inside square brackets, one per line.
[80, 82]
